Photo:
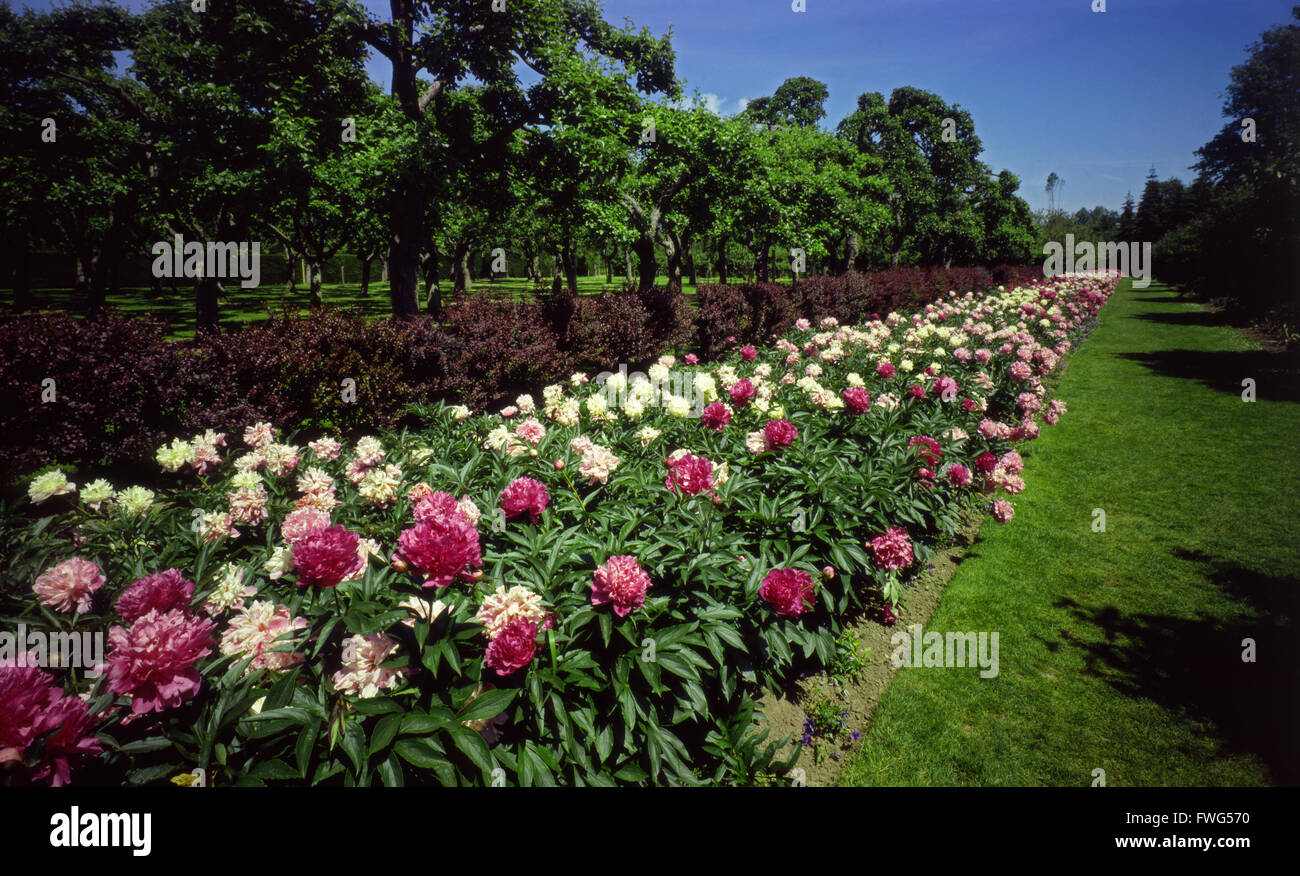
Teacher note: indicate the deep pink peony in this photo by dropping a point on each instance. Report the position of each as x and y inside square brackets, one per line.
[780, 433]
[857, 400]
[525, 496]
[742, 391]
[620, 581]
[893, 549]
[512, 649]
[947, 388]
[692, 359]
[437, 507]
[153, 661]
[916, 390]
[748, 353]
[161, 591]
[690, 475]
[32, 707]
[885, 370]
[959, 475]
[788, 591]
[325, 557]
[442, 549]
[928, 449]
[716, 416]
[986, 462]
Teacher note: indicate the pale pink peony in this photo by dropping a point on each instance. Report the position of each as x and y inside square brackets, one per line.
[531, 431]
[893, 549]
[259, 435]
[363, 673]
[299, 524]
[325, 448]
[254, 632]
[69, 586]
[1003, 511]
[504, 607]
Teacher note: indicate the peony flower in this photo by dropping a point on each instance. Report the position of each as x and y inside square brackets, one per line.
[280, 563]
[325, 557]
[96, 493]
[33, 710]
[259, 435]
[135, 501]
[597, 464]
[248, 505]
[229, 592]
[254, 632]
[153, 661]
[379, 486]
[524, 496]
[531, 430]
[856, 400]
[504, 607]
[300, 523]
[512, 649]
[748, 353]
[442, 548]
[788, 591]
[1003, 511]
[689, 475]
[742, 391]
[1019, 371]
[716, 416]
[885, 370]
[893, 549]
[171, 457]
[161, 591]
[325, 448]
[68, 587]
[363, 673]
[780, 433]
[620, 581]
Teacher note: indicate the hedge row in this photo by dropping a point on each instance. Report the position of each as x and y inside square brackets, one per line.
[110, 391]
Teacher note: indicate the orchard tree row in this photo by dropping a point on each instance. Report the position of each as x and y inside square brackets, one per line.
[534, 128]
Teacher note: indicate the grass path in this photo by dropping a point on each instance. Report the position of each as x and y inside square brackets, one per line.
[1122, 650]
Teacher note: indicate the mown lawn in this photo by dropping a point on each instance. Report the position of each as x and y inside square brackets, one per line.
[1122, 650]
[250, 305]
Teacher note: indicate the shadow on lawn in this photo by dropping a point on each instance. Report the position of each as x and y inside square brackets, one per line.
[1276, 375]
[1196, 665]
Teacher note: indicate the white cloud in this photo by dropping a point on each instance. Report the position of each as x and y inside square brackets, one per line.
[744, 102]
[713, 103]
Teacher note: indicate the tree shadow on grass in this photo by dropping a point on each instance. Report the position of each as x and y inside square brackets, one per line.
[1276, 375]
[1196, 665]
[1188, 317]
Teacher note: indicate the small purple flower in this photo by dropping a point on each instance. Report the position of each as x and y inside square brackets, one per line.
[855, 735]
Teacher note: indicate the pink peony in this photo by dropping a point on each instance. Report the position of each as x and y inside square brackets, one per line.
[512, 648]
[161, 591]
[153, 661]
[983, 356]
[748, 353]
[363, 672]
[1003, 511]
[930, 451]
[531, 431]
[780, 433]
[959, 475]
[742, 391]
[622, 581]
[69, 586]
[692, 359]
[885, 370]
[788, 591]
[947, 388]
[689, 475]
[857, 400]
[259, 435]
[524, 496]
[325, 557]
[893, 549]
[716, 416]
[916, 391]
[440, 507]
[301, 523]
[34, 710]
[1019, 371]
[442, 548]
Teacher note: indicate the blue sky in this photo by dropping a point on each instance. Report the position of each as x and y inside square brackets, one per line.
[1097, 97]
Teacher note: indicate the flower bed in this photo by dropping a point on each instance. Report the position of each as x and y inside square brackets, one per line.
[592, 587]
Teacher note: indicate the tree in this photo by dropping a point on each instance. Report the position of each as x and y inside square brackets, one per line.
[1053, 183]
[798, 102]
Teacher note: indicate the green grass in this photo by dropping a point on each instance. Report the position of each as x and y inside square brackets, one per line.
[1122, 650]
[249, 305]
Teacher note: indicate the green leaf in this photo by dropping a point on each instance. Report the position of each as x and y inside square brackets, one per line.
[487, 705]
[384, 731]
[471, 744]
[419, 753]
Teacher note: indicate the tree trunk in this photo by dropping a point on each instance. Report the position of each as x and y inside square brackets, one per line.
[722, 262]
[22, 273]
[406, 227]
[761, 263]
[570, 268]
[383, 269]
[432, 282]
[627, 263]
[851, 252]
[291, 262]
[673, 252]
[649, 268]
[206, 291]
[608, 256]
[460, 276]
[365, 274]
[314, 272]
[689, 257]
